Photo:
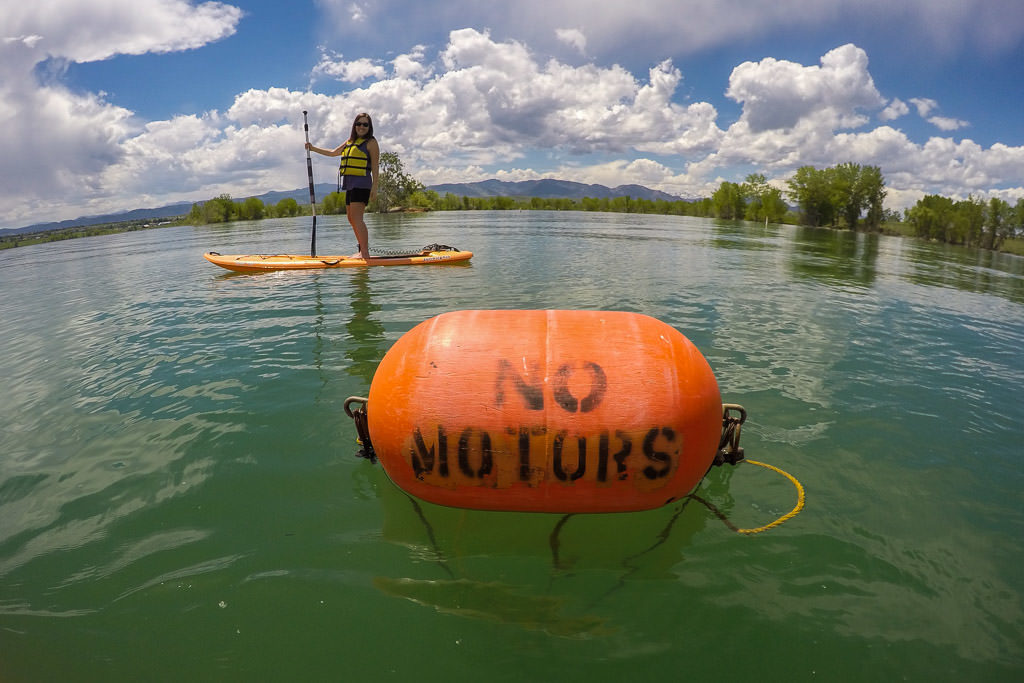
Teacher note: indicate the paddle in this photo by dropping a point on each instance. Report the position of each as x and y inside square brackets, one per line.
[312, 196]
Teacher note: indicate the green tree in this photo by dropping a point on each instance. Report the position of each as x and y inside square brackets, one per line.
[728, 201]
[848, 191]
[967, 222]
[195, 216]
[286, 208]
[394, 185]
[217, 210]
[703, 207]
[873, 183]
[334, 203]
[932, 217]
[858, 191]
[424, 199]
[998, 223]
[623, 204]
[811, 190]
[450, 202]
[504, 203]
[252, 209]
[754, 186]
[763, 200]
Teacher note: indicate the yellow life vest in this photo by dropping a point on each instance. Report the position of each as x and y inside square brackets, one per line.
[355, 160]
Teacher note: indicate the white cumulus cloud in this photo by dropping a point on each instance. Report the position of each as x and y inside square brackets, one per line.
[573, 37]
[57, 142]
[895, 110]
[332, 65]
[778, 94]
[924, 105]
[671, 27]
[468, 109]
[946, 123]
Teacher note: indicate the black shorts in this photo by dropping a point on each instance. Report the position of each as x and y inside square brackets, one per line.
[357, 195]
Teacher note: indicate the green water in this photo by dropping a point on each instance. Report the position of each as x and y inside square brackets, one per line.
[180, 497]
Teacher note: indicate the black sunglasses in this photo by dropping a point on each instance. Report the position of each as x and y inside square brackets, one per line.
[363, 123]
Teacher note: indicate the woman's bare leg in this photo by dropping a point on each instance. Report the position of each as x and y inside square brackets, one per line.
[355, 211]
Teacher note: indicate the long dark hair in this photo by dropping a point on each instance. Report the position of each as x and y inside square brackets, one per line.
[369, 132]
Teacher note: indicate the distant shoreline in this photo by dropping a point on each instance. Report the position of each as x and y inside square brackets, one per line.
[24, 239]
[1013, 246]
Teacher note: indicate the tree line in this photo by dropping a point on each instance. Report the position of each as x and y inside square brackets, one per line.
[845, 196]
[223, 209]
[971, 222]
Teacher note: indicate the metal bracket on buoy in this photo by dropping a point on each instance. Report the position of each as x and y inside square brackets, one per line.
[362, 429]
[729, 450]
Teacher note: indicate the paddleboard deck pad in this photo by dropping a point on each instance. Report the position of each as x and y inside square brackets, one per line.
[257, 263]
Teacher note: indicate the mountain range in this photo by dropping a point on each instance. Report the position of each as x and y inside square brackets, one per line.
[547, 188]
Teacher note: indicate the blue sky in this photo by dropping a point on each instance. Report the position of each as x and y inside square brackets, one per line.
[111, 105]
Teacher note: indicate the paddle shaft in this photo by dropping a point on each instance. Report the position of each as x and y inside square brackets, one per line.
[312, 196]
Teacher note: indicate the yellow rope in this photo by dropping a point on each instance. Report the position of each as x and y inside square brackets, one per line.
[789, 515]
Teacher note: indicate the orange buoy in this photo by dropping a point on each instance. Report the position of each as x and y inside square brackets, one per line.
[545, 411]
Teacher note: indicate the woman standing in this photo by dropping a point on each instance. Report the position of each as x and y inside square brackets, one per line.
[360, 156]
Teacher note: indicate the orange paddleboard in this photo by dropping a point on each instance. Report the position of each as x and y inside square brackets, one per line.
[257, 263]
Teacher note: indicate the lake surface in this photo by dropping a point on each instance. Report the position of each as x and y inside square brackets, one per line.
[180, 497]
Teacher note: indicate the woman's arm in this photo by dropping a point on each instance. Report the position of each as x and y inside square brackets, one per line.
[374, 149]
[326, 152]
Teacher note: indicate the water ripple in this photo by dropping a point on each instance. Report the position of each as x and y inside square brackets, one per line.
[174, 449]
